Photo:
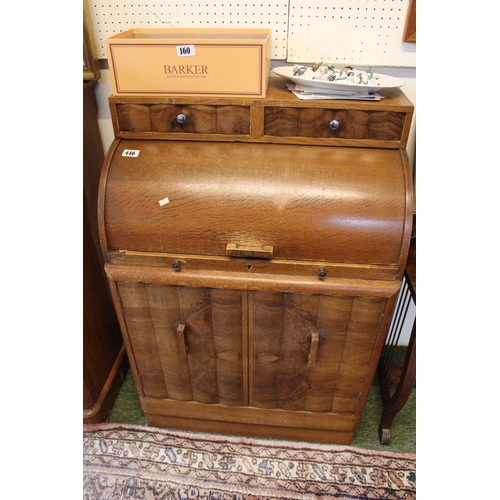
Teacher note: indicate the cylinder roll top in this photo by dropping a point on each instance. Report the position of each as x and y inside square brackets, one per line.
[341, 205]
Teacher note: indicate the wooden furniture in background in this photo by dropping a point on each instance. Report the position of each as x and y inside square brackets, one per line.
[254, 251]
[104, 357]
[91, 71]
[392, 375]
[410, 31]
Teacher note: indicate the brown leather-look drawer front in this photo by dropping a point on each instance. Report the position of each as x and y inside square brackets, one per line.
[172, 118]
[333, 123]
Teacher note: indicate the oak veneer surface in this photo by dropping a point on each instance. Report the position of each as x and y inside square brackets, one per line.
[256, 296]
[307, 202]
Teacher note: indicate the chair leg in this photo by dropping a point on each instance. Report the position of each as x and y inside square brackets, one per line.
[403, 390]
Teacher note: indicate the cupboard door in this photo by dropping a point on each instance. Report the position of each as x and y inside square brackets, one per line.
[310, 352]
[267, 350]
[187, 343]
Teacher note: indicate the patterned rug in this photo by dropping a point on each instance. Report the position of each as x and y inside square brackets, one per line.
[134, 462]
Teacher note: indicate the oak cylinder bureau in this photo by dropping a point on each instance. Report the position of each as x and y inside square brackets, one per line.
[254, 249]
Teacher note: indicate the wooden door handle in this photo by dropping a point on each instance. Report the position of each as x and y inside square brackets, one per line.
[314, 348]
[237, 250]
[181, 340]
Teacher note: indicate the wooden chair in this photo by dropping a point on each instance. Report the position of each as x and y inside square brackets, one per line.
[391, 374]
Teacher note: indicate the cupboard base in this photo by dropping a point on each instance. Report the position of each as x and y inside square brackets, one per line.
[252, 422]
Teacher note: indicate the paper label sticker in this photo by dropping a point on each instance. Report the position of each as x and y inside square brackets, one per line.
[131, 152]
[164, 202]
[185, 50]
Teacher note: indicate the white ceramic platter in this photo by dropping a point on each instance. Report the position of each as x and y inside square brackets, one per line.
[383, 81]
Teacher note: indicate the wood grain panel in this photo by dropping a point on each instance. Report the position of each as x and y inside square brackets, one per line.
[140, 329]
[251, 281]
[200, 119]
[353, 124]
[255, 417]
[316, 123]
[134, 118]
[386, 126]
[233, 120]
[308, 203]
[361, 336]
[332, 321]
[265, 312]
[276, 119]
[196, 314]
[228, 342]
[260, 266]
[166, 316]
[281, 122]
[298, 324]
[163, 117]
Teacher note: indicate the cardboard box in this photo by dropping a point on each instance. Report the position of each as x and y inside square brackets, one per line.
[190, 62]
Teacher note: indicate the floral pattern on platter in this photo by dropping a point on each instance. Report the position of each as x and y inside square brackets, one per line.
[327, 72]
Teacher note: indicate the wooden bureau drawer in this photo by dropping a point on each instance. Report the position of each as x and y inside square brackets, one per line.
[351, 124]
[172, 118]
[280, 119]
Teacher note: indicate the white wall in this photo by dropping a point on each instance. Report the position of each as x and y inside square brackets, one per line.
[360, 33]
[349, 32]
